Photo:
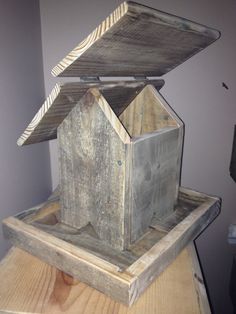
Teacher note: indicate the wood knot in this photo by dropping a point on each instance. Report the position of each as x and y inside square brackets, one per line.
[69, 280]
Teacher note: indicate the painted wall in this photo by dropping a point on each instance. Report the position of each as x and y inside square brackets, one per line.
[195, 92]
[24, 172]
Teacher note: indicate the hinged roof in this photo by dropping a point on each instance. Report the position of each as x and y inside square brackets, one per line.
[136, 40]
[63, 98]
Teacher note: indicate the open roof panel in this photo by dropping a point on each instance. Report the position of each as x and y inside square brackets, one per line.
[136, 40]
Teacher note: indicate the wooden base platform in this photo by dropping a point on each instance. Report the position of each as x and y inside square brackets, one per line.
[32, 286]
[121, 275]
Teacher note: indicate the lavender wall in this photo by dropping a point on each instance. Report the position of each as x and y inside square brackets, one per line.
[195, 92]
[25, 178]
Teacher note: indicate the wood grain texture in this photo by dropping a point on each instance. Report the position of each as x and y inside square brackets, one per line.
[90, 269]
[64, 97]
[149, 263]
[157, 135]
[147, 114]
[122, 284]
[32, 286]
[112, 182]
[93, 157]
[199, 281]
[136, 40]
[154, 179]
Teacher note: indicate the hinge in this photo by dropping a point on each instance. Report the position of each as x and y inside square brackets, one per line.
[140, 78]
[90, 79]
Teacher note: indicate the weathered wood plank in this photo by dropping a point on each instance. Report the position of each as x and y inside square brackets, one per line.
[46, 217]
[91, 244]
[124, 285]
[92, 155]
[154, 179]
[136, 40]
[156, 153]
[166, 250]
[147, 114]
[76, 262]
[172, 116]
[64, 97]
[172, 292]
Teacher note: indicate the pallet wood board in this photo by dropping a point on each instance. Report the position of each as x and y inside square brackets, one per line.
[136, 40]
[64, 97]
[92, 156]
[156, 195]
[124, 279]
[145, 114]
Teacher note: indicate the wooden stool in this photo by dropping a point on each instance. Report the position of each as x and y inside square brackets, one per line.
[32, 286]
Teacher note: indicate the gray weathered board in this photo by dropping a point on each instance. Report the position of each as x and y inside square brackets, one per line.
[64, 97]
[121, 275]
[115, 177]
[136, 40]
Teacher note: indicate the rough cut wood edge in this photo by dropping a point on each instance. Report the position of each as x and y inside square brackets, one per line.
[125, 286]
[47, 119]
[112, 19]
[38, 117]
[134, 10]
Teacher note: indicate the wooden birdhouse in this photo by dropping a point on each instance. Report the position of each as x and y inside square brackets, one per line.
[115, 174]
[120, 150]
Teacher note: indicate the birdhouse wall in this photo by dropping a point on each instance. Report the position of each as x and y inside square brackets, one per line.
[117, 173]
[157, 135]
[154, 179]
[92, 156]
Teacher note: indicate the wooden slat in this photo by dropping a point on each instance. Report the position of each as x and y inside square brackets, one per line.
[92, 154]
[154, 179]
[46, 217]
[32, 286]
[160, 255]
[136, 40]
[156, 150]
[124, 285]
[76, 262]
[147, 114]
[63, 99]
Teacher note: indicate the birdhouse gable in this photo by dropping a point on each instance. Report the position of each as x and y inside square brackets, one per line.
[93, 160]
[94, 96]
[64, 97]
[150, 112]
